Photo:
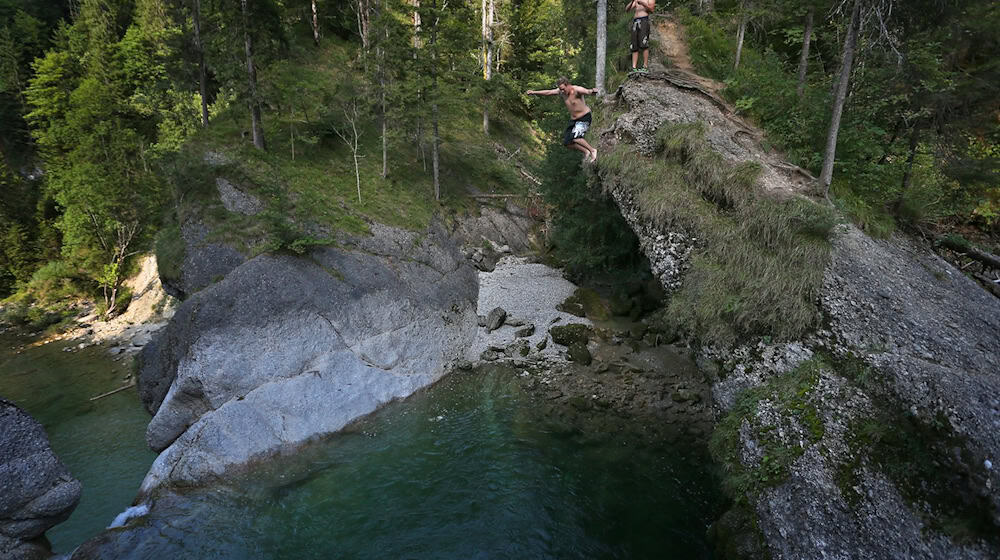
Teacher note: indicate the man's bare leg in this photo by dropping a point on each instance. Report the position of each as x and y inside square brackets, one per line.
[574, 146]
[635, 59]
[585, 147]
[645, 59]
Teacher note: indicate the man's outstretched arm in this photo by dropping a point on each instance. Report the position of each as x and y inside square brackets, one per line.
[585, 91]
[542, 92]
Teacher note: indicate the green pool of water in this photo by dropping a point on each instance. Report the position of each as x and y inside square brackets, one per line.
[101, 442]
[467, 469]
[470, 468]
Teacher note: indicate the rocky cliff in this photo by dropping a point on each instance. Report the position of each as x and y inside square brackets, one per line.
[872, 435]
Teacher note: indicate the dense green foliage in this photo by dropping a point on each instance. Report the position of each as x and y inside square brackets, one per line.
[919, 139]
[588, 235]
[104, 106]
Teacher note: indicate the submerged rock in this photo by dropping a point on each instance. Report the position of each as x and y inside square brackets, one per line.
[36, 490]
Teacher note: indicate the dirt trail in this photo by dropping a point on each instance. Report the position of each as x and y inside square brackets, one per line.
[672, 49]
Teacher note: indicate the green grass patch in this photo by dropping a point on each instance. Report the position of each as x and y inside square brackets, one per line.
[790, 393]
[169, 249]
[759, 266]
[306, 177]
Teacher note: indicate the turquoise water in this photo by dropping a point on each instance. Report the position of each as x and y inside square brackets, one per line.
[470, 468]
[466, 469]
[101, 442]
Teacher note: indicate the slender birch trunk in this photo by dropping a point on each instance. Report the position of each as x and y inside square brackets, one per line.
[840, 97]
[740, 33]
[804, 59]
[315, 23]
[602, 43]
[202, 73]
[255, 117]
[434, 103]
[489, 13]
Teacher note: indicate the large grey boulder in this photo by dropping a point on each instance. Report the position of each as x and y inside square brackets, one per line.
[286, 349]
[36, 489]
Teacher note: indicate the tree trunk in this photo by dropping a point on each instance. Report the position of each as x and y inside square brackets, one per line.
[416, 27]
[202, 74]
[381, 85]
[984, 257]
[704, 6]
[258, 131]
[488, 53]
[315, 23]
[846, 60]
[804, 59]
[602, 43]
[740, 33]
[364, 22]
[434, 103]
[908, 173]
[418, 133]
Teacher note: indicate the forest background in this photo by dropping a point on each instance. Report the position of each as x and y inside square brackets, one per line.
[117, 115]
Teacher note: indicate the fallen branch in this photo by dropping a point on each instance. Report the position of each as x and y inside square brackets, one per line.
[991, 285]
[973, 253]
[118, 390]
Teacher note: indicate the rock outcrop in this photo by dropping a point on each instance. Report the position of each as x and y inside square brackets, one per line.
[205, 260]
[286, 349]
[910, 343]
[36, 490]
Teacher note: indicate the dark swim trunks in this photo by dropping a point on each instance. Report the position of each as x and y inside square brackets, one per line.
[640, 34]
[576, 129]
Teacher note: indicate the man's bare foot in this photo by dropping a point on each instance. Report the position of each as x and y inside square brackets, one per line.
[593, 155]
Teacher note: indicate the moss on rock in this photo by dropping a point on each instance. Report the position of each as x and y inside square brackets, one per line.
[573, 333]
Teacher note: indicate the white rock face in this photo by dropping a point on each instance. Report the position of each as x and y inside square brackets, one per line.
[287, 349]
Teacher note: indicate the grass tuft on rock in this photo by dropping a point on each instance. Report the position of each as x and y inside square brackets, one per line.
[758, 266]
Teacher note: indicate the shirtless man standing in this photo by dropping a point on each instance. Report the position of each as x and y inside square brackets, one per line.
[640, 31]
[579, 113]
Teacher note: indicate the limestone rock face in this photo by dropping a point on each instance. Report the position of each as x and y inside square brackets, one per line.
[286, 349]
[36, 489]
[927, 337]
[204, 261]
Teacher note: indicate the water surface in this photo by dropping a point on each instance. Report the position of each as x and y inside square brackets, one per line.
[467, 469]
[101, 442]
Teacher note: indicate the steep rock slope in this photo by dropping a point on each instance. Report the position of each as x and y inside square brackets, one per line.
[874, 437]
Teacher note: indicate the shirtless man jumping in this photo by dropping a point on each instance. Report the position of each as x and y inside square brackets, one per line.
[579, 113]
[640, 31]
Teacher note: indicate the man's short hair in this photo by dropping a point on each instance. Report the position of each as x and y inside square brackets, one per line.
[563, 80]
